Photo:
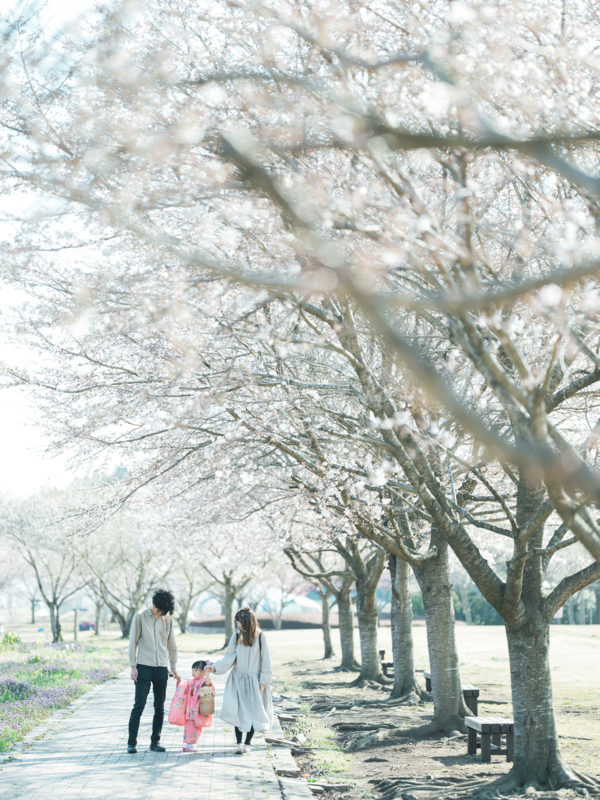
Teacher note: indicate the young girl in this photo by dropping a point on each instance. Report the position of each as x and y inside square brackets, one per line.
[247, 702]
[194, 720]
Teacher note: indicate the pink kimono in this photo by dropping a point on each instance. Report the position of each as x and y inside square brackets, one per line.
[194, 721]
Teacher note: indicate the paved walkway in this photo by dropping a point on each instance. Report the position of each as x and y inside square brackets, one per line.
[81, 755]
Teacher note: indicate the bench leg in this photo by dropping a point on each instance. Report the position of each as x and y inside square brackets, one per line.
[428, 684]
[510, 746]
[471, 741]
[471, 704]
[486, 751]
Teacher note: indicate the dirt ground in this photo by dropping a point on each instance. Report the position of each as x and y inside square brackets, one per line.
[438, 767]
[415, 769]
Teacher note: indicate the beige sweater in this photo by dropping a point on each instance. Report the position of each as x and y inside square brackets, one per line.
[152, 641]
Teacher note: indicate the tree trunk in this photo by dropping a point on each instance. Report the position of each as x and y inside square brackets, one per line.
[537, 756]
[33, 602]
[124, 621]
[99, 606]
[184, 612]
[536, 753]
[463, 593]
[325, 625]
[433, 577]
[227, 605]
[405, 681]
[367, 615]
[570, 606]
[277, 620]
[55, 625]
[580, 608]
[346, 623]
[596, 589]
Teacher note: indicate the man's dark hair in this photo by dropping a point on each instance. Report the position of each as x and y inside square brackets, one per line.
[163, 600]
[199, 664]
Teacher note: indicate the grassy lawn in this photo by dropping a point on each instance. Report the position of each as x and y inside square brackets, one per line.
[37, 678]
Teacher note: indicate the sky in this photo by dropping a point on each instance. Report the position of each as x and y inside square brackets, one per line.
[25, 467]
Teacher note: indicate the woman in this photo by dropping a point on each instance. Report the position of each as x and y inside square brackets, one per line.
[247, 702]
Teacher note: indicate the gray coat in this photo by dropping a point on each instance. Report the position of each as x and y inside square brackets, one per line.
[244, 705]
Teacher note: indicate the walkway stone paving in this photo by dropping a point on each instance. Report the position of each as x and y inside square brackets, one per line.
[81, 755]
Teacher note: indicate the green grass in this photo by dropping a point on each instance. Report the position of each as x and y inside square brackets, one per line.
[37, 678]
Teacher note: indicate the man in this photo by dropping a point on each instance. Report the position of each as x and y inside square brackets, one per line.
[152, 649]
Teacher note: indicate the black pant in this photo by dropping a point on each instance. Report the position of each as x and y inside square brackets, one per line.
[158, 677]
[249, 735]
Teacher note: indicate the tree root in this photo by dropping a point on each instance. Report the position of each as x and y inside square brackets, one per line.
[342, 668]
[375, 682]
[442, 786]
[412, 697]
[562, 778]
[385, 735]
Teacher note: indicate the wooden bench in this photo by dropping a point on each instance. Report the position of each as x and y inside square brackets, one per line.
[470, 692]
[487, 733]
[385, 665]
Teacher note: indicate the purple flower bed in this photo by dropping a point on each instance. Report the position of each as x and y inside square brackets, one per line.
[50, 678]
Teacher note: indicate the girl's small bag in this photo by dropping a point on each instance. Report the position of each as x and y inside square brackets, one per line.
[178, 704]
[206, 701]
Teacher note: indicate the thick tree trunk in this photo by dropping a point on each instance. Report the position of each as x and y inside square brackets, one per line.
[346, 623]
[433, 577]
[366, 608]
[325, 624]
[405, 681]
[537, 755]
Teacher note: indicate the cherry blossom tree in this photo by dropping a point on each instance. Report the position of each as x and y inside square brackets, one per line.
[418, 187]
[41, 529]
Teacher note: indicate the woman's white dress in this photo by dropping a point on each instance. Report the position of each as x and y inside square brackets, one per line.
[244, 705]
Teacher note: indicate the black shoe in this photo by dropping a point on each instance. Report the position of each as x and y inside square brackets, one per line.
[158, 748]
[131, 748]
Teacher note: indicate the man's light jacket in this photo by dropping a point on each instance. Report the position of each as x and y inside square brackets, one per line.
[152, 641]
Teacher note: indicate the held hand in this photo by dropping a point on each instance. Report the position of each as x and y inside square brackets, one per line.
[262, 686]
[134, 674]
[177, 676]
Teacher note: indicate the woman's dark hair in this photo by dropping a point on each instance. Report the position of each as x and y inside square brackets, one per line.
[163, 600]
[249, 627]
[199, 664]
